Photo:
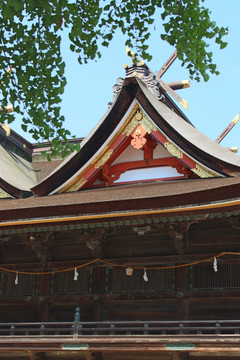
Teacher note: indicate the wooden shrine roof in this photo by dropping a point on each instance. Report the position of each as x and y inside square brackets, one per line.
[161, 198]
[180, 132]
[25, 178]
[188, 137]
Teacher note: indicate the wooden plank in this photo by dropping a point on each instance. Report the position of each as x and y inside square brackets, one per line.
[120, 348]
[151, 296]
[167, 64]
[227, 129]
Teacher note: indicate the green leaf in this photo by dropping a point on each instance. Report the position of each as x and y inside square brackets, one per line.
[24, 127]
[223, 45]
[31, 39]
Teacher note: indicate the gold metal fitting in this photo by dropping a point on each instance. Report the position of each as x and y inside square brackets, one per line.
[138, 116]
[186, 83]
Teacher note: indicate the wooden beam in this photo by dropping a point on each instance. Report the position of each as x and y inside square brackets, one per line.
[167, 64]
[178, 85]
[200, 344]
[124, 296]
[228, 128]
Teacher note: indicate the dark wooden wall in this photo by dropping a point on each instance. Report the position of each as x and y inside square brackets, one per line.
[105, 292]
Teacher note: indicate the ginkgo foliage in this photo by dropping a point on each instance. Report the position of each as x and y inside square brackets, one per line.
[32, 69]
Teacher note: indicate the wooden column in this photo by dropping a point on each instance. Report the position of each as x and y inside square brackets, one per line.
[181, 283]
[43, 306]
[97, 311]
[43, 311]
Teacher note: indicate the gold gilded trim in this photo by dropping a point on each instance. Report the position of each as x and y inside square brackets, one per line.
[135, 117]
[130, 123]
[139, 118]
[147, 124]
[103, 159]
[100, 155]
[77, 185]
[173, 149]
[130, 127]
[203, 173]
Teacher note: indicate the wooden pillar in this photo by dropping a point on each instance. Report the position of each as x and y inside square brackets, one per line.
[1, 254]
[43, 306]
[181, 285]
[97, 311]
[98, 284]
[182, 309]
[98, 287]
[43, 311]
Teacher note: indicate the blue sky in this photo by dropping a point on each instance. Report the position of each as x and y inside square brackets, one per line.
[212, 105]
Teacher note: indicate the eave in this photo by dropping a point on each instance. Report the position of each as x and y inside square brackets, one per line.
[13, 191]
[189, 139]
[90, 146]
[125, 205]
[166, 119]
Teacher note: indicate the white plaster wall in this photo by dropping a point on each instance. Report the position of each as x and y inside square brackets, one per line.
[148, 173]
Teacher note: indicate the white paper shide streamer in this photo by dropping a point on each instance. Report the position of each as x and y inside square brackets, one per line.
[16, 279]
[145, 277]
[76, 274]
[215, 268]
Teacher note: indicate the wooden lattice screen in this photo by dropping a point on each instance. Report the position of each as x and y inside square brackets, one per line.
[204, 277]
[157, 280]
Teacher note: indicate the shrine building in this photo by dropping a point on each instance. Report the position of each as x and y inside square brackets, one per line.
[128, 249]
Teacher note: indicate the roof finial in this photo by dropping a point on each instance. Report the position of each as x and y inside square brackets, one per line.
[135, 60]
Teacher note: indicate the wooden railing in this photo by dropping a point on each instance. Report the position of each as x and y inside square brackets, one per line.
[121, 328]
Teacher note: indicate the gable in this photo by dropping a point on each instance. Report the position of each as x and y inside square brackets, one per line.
[140, 138]
[136, 151]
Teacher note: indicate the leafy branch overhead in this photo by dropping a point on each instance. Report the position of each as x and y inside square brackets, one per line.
[32, 69]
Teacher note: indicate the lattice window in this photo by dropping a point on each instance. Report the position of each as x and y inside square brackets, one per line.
[204, 277]
[26, 285]
[63, 283]
[157, 280]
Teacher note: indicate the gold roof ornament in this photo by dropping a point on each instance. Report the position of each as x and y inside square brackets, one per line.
[8, 109]
[135, 59]
[6, 128]
[167, 87]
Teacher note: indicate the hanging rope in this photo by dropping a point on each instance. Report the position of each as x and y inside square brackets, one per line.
[75, 268]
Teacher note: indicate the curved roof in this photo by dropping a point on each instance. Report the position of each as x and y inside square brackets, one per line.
[131, 198]
[17, 175]
[166, 116]
[186, 135]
